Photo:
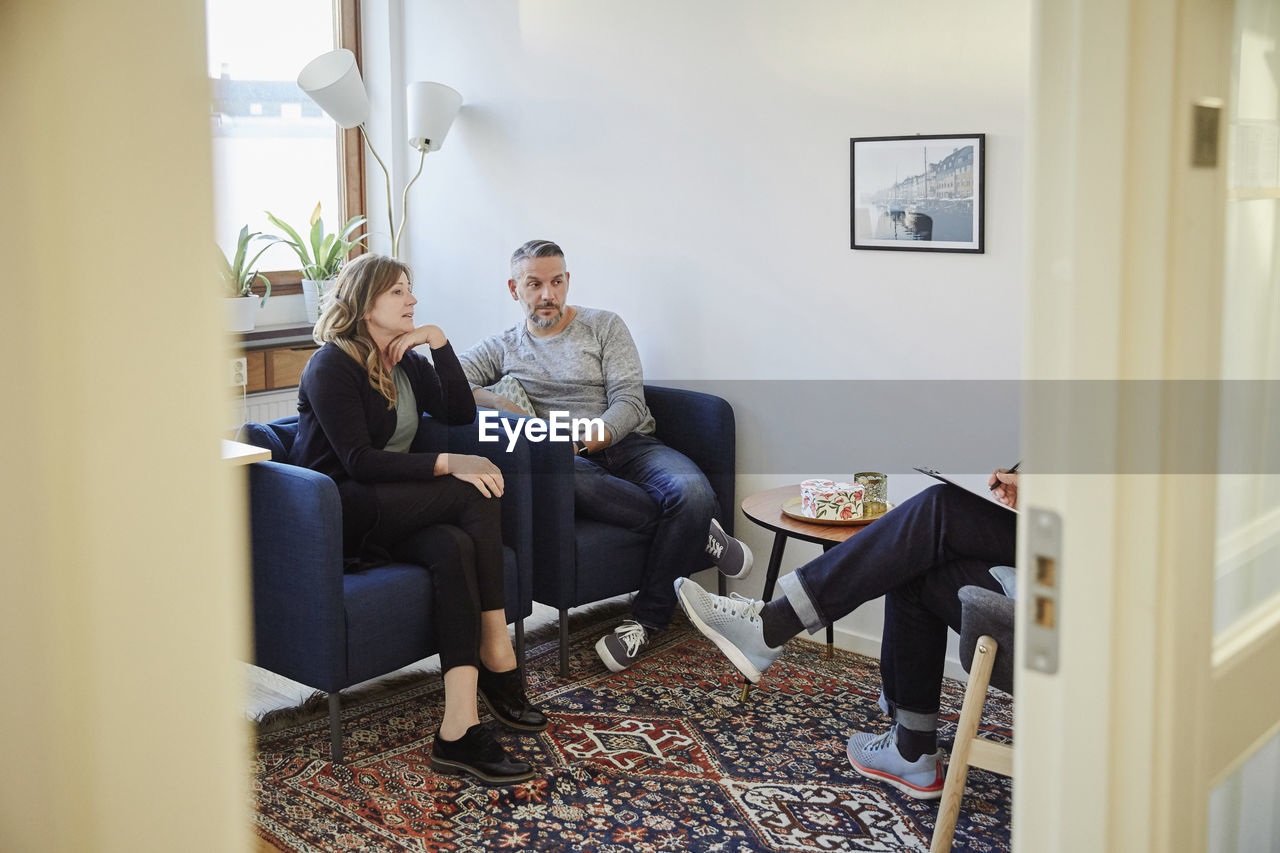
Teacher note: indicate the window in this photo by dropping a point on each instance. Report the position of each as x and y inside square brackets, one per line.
[273, 148]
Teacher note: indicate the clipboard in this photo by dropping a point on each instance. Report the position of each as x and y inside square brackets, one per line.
[938, 475]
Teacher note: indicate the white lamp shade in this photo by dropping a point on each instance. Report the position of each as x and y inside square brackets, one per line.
[432, 108]
[333, 81]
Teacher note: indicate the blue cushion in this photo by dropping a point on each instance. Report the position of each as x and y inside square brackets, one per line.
[388, 619]
[610, 560]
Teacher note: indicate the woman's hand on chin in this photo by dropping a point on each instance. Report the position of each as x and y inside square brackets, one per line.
[433, 336]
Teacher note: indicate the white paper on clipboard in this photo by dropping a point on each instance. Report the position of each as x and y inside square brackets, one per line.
[938, 475]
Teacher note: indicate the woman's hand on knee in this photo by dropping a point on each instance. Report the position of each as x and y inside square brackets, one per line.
[479, 472]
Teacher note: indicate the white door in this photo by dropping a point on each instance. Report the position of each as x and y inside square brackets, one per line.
[1155, 296]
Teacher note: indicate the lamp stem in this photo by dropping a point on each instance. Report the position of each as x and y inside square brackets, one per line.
[386, 176]
[404, 201]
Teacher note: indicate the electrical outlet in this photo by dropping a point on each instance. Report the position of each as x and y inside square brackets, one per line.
[239, 372]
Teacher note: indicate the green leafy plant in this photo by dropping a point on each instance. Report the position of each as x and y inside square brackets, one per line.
[237, 276]
[322, 255]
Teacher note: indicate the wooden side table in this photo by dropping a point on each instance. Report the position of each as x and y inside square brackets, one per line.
[765, 509]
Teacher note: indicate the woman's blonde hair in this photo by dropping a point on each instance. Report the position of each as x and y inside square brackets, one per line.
[347, 303]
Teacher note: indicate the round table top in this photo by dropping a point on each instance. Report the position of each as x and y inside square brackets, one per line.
[765, 509]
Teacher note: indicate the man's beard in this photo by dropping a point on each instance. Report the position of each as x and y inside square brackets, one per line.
[548, 323]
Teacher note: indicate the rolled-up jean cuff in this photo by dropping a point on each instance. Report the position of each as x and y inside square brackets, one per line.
[915, 720]
[801, 603]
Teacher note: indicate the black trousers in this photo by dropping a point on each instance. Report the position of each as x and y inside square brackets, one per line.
[448, 527]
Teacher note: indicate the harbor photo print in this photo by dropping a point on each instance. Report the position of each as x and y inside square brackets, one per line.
[917, 193]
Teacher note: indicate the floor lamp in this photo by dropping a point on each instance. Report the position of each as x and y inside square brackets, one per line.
[333, 81]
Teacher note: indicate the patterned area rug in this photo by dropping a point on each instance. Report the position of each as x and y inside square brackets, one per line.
[661, 757]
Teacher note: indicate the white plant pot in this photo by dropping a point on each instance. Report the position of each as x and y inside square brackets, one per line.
[241, 311]
[313, 296]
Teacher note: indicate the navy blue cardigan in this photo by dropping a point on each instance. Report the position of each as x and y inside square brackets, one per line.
[344, 424]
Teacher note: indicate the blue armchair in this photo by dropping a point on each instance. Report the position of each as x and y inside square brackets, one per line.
[579, 560]
[328, 629]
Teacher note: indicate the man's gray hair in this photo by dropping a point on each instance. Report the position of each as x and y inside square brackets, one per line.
[533, 249]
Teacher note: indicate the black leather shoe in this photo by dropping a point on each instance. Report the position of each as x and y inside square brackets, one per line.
[478, 754]
[503, 694]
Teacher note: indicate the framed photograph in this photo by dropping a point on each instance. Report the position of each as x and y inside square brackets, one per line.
[917, 193]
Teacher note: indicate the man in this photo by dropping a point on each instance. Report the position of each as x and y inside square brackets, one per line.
[582, 361]
[918, 557]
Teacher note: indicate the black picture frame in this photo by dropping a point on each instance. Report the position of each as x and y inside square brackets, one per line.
[918, 193]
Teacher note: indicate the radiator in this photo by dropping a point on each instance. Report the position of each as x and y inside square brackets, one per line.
[264, 406]
[269, 405]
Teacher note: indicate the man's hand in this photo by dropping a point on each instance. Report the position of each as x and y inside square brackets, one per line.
[599, 443]
[490, 400]
[1004, 486]
[433, 336]
[476, 470]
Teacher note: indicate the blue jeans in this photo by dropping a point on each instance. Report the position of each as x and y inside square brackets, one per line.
[641, 484]
[918, 556]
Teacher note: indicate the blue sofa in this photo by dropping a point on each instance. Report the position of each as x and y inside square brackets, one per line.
[577, 561]
[329, 629]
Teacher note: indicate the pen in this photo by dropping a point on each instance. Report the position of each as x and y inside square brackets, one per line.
[1010, 471]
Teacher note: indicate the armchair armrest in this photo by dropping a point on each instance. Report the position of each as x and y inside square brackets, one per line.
[699, 425]
[551, 513]
[296, 540]
[702, 427]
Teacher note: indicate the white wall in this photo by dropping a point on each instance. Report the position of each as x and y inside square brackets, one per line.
[692, 158]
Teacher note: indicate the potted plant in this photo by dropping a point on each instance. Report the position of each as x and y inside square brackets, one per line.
[238, 277]
[321, 255]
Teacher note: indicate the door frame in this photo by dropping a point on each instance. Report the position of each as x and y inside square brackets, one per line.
[1116, 749]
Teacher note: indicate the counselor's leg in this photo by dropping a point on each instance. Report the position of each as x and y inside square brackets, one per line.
[917, 616]
[914, 640]
[939, 525]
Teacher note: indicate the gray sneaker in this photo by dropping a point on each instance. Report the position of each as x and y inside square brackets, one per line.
[731, 556]
[877, 757]
[620, 649]
[732, 623]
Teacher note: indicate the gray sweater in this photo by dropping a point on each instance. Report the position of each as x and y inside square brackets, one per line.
[590, 370]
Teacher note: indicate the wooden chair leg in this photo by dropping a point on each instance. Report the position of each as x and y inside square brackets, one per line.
[975, 695]
[564, 642]
[335, 728]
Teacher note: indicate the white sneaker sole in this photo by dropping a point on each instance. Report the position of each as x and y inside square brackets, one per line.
[728, 649]
[603, 651]
[933, 793]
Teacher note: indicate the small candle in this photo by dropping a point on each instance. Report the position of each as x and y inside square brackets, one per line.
[877, 491]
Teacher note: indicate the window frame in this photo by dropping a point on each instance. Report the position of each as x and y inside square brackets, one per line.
[351, 158]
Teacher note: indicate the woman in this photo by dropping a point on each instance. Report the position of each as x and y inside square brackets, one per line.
[359, 404]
